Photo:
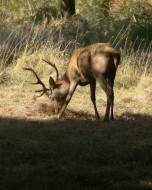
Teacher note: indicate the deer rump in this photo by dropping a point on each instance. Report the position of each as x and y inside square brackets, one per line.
[95, 63]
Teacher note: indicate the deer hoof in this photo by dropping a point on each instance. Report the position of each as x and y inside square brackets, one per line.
[59, 116]
[97, 117]
[105, 119]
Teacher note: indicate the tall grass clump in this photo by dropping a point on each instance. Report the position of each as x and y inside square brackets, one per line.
[135, 64]
[136, 57]
[26, 43]
[29, 43]
[26, 46]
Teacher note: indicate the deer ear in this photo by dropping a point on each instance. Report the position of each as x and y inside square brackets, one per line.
[51, 82]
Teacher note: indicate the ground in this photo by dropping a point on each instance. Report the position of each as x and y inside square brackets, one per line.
[37, 151]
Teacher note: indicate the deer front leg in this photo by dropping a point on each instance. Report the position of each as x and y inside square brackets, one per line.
[72, 88]
[93, 98]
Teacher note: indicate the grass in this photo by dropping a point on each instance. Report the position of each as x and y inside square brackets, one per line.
[37, 151]
[78, 152]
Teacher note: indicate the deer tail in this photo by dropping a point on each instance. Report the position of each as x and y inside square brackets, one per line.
[117, 58]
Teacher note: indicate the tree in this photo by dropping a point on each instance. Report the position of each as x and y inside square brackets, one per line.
[67, 7]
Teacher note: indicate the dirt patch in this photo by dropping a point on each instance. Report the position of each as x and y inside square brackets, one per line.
[18, 102]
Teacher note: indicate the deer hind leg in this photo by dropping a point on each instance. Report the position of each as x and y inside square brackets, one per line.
[112, 105]
[93, 98]
[111, 83]
[108, 89]
[72, 88]
[111, 79]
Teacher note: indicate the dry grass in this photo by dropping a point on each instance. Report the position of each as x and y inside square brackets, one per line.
[18, 101]
[77, 152]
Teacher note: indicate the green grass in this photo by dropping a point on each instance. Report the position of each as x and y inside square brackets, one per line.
[75, 154]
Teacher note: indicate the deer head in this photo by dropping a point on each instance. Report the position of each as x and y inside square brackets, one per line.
[58, 88]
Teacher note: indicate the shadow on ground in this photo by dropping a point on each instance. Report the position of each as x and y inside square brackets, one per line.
[72, 118]
[76, 153]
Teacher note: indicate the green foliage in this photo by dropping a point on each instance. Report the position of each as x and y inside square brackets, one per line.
[135, 11]
[108, 17]
[143, 31]
[47, 13]
[18, 11]
[104, 16]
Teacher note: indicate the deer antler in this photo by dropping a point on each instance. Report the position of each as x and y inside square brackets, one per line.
[54, 66]
[44, 90]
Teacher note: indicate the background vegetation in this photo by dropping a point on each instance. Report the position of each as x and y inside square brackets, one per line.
[124, 24]
[36, 150]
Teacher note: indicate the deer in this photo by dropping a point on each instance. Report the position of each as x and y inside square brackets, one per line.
[95, 63]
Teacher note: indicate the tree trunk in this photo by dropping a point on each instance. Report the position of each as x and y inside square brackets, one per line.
[67, 7]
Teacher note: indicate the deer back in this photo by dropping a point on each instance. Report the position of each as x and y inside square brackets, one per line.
[97, 58]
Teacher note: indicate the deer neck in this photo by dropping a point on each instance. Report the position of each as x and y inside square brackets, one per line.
[64, 79]
[65, 84]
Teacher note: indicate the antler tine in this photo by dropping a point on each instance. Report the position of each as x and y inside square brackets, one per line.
[44, 90]
[54, 66]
